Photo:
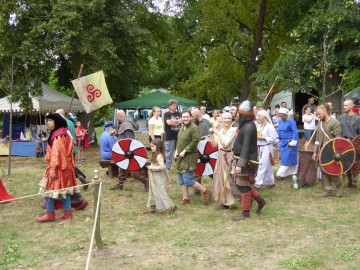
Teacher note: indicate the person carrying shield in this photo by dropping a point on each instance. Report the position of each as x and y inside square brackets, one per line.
[329, 128]
[350, 123]
[186, 158]
[204, 126]
[126, 131]
[245, 150]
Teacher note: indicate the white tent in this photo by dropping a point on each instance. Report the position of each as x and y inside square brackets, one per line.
[50, 100]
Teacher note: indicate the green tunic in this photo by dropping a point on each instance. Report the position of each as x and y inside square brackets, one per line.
[188, 138]
[332, 127]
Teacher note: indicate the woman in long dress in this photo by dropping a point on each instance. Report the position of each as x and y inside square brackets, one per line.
[267, 137]
[288, 136]
[224, 138]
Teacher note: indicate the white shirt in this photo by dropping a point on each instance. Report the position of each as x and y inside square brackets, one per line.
[311, 125]
[158, 125]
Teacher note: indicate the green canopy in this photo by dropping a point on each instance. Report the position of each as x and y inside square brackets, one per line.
[157, 98]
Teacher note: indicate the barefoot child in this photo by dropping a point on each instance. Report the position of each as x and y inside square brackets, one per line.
[158, 196]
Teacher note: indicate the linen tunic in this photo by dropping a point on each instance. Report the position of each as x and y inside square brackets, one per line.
[265, 174]
[157, 185]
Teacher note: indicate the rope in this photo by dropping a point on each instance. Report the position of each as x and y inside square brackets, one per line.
[42, 193]
[94, 228]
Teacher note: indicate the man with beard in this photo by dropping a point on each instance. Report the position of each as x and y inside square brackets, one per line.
[245, 149]
[350, 123]
[186, 158]
[204, 126]
[126, 130]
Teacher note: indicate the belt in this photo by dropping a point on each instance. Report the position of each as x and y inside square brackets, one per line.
[225, 150]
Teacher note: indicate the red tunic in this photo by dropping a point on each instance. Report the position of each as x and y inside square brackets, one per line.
[61, 162]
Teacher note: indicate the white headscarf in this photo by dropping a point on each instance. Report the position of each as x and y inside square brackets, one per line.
[266, 115]
[284, 111]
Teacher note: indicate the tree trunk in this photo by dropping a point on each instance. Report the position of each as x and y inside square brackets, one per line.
[250, 66]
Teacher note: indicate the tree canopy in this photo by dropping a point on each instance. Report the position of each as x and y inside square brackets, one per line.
[208, 50]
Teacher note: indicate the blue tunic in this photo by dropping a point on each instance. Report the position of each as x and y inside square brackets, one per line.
[288, 132]
[107, 142]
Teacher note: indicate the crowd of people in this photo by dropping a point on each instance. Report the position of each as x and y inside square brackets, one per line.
[246, 138]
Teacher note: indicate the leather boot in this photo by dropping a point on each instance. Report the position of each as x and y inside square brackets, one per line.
[207, 196]
[67, 215]
[144, 178]
[49, 216]
[82, 178]
[339, 190]
[185, 201]
[261, 203]
[197, 179]
[244, 215]
[121, 180]
[327, 193]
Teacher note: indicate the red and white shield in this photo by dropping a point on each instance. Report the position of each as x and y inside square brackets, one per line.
[207, 157]
[129, 154]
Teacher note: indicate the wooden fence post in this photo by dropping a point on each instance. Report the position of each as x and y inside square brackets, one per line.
[97, 189]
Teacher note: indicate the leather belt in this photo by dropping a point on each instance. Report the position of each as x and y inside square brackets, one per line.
[225, 150]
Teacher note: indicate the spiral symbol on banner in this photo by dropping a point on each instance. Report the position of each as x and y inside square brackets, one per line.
[93, 93]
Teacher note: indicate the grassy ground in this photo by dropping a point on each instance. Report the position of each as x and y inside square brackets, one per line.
[297, 229]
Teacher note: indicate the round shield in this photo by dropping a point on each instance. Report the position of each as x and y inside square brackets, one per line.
[356, 166]
[129, 154]
[207, 156]
[337, 156]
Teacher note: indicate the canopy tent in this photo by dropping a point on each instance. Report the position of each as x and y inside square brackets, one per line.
[353, 94]
[156, 98]
[50, 100]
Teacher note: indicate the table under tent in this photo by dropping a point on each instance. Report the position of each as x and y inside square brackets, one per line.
[28, 127]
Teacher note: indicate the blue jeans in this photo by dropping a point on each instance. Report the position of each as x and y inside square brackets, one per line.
[308, 133]
[169, 153]
[186, 178]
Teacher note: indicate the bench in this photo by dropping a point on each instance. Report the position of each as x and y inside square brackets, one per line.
[113, 169]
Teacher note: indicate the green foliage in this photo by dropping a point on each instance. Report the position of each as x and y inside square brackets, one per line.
[329, 27]
[120, 37]
[215, 41]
